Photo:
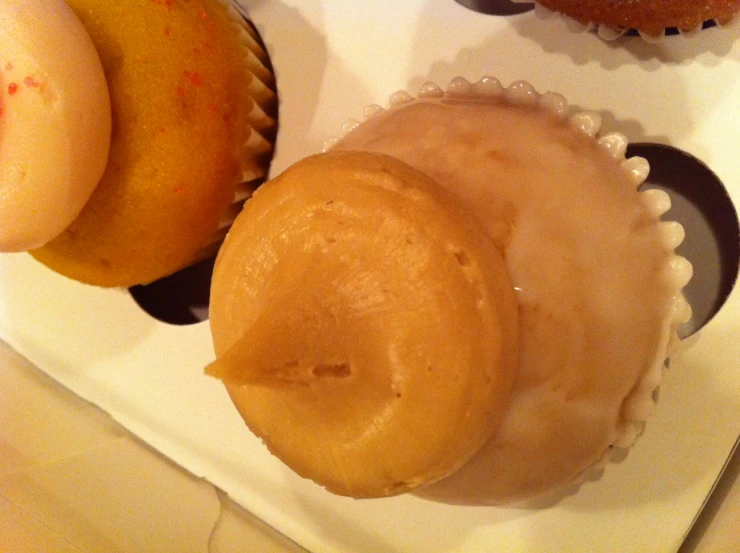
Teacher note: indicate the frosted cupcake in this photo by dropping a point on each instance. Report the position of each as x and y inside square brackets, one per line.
[650, 18]
[192, 106]
[597, 283]
[354, 301]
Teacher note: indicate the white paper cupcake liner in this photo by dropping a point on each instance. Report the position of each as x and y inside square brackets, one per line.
[640, 402]
[261, 120]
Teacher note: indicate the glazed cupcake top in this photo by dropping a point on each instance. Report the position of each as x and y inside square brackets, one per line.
[591, 263]
[55, 121]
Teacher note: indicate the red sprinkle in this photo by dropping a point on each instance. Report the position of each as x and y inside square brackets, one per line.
[167, 3]
[167, 31]
[203, 15]
[30, 81]
[212, 106]
[177, 190]
[194, 78]
[12, 88]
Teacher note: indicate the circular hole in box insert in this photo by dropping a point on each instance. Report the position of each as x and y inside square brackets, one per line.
[496, 7]
[181, 298]
[702, 205]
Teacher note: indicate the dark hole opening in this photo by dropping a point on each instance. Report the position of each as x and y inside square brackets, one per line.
[181, 298]
[702, 205]
[496, 7]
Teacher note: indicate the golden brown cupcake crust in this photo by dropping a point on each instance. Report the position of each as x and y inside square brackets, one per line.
[649, 16]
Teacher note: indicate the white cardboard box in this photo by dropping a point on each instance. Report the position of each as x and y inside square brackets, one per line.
[331, 59]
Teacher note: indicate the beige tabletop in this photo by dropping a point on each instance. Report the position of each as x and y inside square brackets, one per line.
[72, 480]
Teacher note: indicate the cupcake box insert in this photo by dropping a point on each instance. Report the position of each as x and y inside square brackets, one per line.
[331, 59]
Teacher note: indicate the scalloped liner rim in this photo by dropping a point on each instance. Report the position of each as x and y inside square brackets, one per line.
[258, 119]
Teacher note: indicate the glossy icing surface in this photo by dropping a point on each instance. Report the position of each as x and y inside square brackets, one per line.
[588, 264]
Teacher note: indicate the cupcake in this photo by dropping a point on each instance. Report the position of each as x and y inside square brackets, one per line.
[352, 302]
[192, 106]
[650, 18]
[592, 266]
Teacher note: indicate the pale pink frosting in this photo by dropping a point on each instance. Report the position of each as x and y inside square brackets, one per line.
[55, 122]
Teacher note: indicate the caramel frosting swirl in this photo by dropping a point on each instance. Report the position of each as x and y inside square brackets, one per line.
[364, 324]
